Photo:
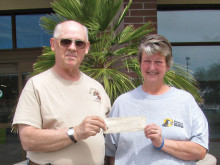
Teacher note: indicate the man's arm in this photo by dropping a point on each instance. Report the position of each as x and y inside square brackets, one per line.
[43, 140]
[46, 140]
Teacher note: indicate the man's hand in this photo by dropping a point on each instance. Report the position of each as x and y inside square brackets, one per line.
[90, 126]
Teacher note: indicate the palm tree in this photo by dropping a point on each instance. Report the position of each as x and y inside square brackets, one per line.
[112, 55]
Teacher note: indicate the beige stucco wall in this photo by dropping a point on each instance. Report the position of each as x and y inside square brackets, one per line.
[34, 4]
[24, 4]
[188, 1]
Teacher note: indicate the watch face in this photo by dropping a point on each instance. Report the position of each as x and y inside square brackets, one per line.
[70, 132]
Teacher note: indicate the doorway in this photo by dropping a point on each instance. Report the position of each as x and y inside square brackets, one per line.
[10, 148]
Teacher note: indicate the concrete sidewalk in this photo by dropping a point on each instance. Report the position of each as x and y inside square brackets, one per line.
[208, 160]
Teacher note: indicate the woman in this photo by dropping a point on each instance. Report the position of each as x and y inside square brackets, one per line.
[176, 131]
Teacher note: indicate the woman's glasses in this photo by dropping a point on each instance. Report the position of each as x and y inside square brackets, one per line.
[67, 42]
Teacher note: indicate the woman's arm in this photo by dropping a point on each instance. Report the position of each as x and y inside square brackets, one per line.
[185, 150]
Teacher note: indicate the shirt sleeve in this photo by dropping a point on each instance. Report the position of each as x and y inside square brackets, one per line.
[107, 103]
[200, 131]
[110, 145]
[28, 108]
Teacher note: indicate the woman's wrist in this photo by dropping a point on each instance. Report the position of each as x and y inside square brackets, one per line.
[159, 148]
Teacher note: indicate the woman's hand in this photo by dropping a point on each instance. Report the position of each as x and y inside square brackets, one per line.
[154, 133]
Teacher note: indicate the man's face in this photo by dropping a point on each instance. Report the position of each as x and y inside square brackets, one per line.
[69, 57]
[153, 68]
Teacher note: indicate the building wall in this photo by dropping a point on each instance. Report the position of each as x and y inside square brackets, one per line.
[24, 4]
[141, 12]
[188, 2]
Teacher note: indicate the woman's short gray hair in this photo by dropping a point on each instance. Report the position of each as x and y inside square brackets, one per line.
[153, 44]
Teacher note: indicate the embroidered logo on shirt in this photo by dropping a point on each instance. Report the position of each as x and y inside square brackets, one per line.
[95, 94]
[169, 122]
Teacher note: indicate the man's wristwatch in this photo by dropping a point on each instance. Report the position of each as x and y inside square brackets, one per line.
[70, 133]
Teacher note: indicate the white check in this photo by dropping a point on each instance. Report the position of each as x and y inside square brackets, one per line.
[125, 124]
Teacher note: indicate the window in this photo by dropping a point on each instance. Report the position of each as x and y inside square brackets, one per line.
[21, 29]
[5, 32]
[29, 34]
[11, 150]
[197, 59]
[193, 31]
[190, 25]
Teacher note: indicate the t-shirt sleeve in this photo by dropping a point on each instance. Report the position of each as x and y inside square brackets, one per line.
[108, 104]
[110, 145]
[200, 131]
[28, 107]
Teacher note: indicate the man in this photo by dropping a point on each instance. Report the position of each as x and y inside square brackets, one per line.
[60, 111]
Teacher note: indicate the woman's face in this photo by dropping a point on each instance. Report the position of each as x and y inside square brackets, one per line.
[153, 68]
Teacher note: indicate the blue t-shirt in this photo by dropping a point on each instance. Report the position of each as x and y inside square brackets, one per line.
[175, 111]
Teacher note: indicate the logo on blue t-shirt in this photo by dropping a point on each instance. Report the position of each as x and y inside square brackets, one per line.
[169, 122]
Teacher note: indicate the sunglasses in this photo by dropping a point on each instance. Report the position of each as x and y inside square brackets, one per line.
[67, 42]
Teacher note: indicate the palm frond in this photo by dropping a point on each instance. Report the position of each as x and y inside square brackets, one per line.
[109, 9]
[114, 81]
[120, 18]
[44, 62]
[70, 9]
[126, 49]
[49, 22]
[130, 33]
[112, 51]
[182, 78]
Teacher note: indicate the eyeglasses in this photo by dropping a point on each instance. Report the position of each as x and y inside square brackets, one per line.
[67, 42]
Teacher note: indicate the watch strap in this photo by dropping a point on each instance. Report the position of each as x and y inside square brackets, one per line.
[72, 137]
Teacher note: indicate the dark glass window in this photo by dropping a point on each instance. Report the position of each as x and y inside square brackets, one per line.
[29, 33]
[9, 95]
[189, 25]
[204, 61]
[10, 146]
[198, 58]
[195, 37]
[5, 32]
[21, 29]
